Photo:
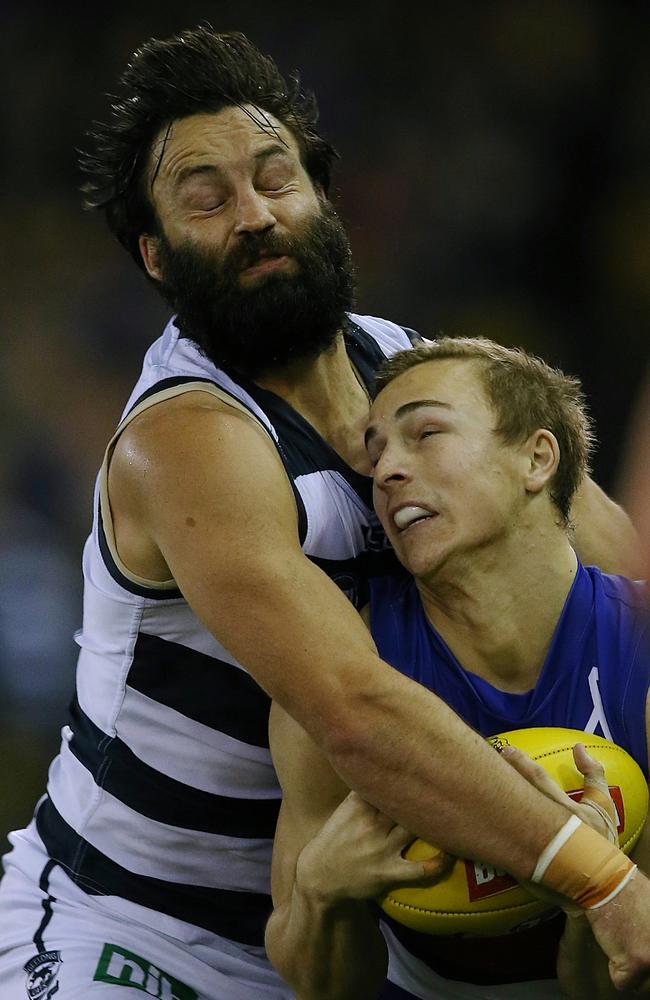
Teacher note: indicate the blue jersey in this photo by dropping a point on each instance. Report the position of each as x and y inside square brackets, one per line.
[595, 677]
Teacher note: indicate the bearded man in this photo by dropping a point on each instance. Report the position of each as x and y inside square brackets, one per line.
[233, 537]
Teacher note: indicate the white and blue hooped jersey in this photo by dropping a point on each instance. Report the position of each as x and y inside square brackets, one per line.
[163, 800]
[595, 678]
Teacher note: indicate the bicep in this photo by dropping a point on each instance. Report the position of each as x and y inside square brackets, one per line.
[219, 506]
[311, 791]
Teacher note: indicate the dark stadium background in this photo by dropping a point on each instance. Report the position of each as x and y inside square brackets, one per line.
[494, 179]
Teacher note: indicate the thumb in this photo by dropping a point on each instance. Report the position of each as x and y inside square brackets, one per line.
[438, 865]
[596, 792]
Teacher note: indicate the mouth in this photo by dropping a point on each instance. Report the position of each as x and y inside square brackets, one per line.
[265, 265]
[406, 517]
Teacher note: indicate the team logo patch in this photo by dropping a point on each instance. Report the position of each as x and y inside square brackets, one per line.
[43, 975]
[120, 967]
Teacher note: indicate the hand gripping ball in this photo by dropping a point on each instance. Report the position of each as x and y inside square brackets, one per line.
[477, 900]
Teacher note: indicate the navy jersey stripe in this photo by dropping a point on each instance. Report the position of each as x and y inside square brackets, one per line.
[153, 593]
[301, 447]
[142, 788]
[44, 885]
[364, 352]
[203, 688]
[413, 335]
[240, 916]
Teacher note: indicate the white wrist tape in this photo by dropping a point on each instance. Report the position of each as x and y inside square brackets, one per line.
[552, 848]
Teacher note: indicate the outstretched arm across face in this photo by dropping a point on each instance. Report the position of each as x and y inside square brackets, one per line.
[203, 486]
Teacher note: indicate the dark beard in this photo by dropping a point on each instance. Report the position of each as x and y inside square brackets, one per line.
[282, 318]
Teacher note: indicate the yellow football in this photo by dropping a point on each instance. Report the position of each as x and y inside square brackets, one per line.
[476, 900]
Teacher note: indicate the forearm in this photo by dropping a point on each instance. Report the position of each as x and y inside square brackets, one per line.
[390, 739]
[326, 951]
[436, 773]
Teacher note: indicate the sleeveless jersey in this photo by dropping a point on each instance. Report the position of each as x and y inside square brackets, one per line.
[163, 794]
[595, 678]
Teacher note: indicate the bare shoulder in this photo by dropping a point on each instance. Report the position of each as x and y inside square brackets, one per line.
[190, 468]
[180, 428]
[184, 444]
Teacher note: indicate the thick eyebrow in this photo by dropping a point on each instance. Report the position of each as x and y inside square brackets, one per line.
[404, 410]
[185, 173]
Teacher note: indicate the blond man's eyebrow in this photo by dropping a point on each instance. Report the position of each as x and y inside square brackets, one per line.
[404, 410]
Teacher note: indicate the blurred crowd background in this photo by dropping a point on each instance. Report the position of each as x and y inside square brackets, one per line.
[494, 178]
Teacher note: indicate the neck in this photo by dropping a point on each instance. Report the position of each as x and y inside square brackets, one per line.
[497, 610]
[327, 392]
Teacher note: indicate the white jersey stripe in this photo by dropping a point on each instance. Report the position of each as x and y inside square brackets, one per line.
[320, 490]
[166, 723]
[147, 847]
[228, 766]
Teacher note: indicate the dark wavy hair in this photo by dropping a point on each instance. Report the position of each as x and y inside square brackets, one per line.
[198, 70]
[526, 394]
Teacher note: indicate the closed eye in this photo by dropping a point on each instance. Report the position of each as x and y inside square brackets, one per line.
[279, 188]
[211, 208]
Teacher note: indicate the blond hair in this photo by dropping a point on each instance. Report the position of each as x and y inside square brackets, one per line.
[526, 394]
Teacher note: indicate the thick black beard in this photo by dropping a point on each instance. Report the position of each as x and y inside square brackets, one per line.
[281, 319]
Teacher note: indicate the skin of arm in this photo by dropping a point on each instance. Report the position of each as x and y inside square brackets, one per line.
[329, 857]
[324, 944]
[604, 535]
[201, 490]
[185, 479]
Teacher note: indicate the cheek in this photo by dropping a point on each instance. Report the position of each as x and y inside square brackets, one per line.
[489, 503]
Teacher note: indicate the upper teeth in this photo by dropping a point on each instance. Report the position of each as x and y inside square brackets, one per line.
[407, 515]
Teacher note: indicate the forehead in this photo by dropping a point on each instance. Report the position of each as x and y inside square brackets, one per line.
[456, 382]
[229, 139]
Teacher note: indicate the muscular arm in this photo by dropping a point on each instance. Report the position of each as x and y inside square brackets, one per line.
[202, 490]
[323, 943]
[604, 534]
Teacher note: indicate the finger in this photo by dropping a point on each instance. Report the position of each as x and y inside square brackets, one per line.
[399, 838]
[592, 769]
[596, 788]
[424, 872]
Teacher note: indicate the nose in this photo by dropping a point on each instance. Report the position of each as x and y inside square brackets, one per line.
[253, 214]
[390, 470]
